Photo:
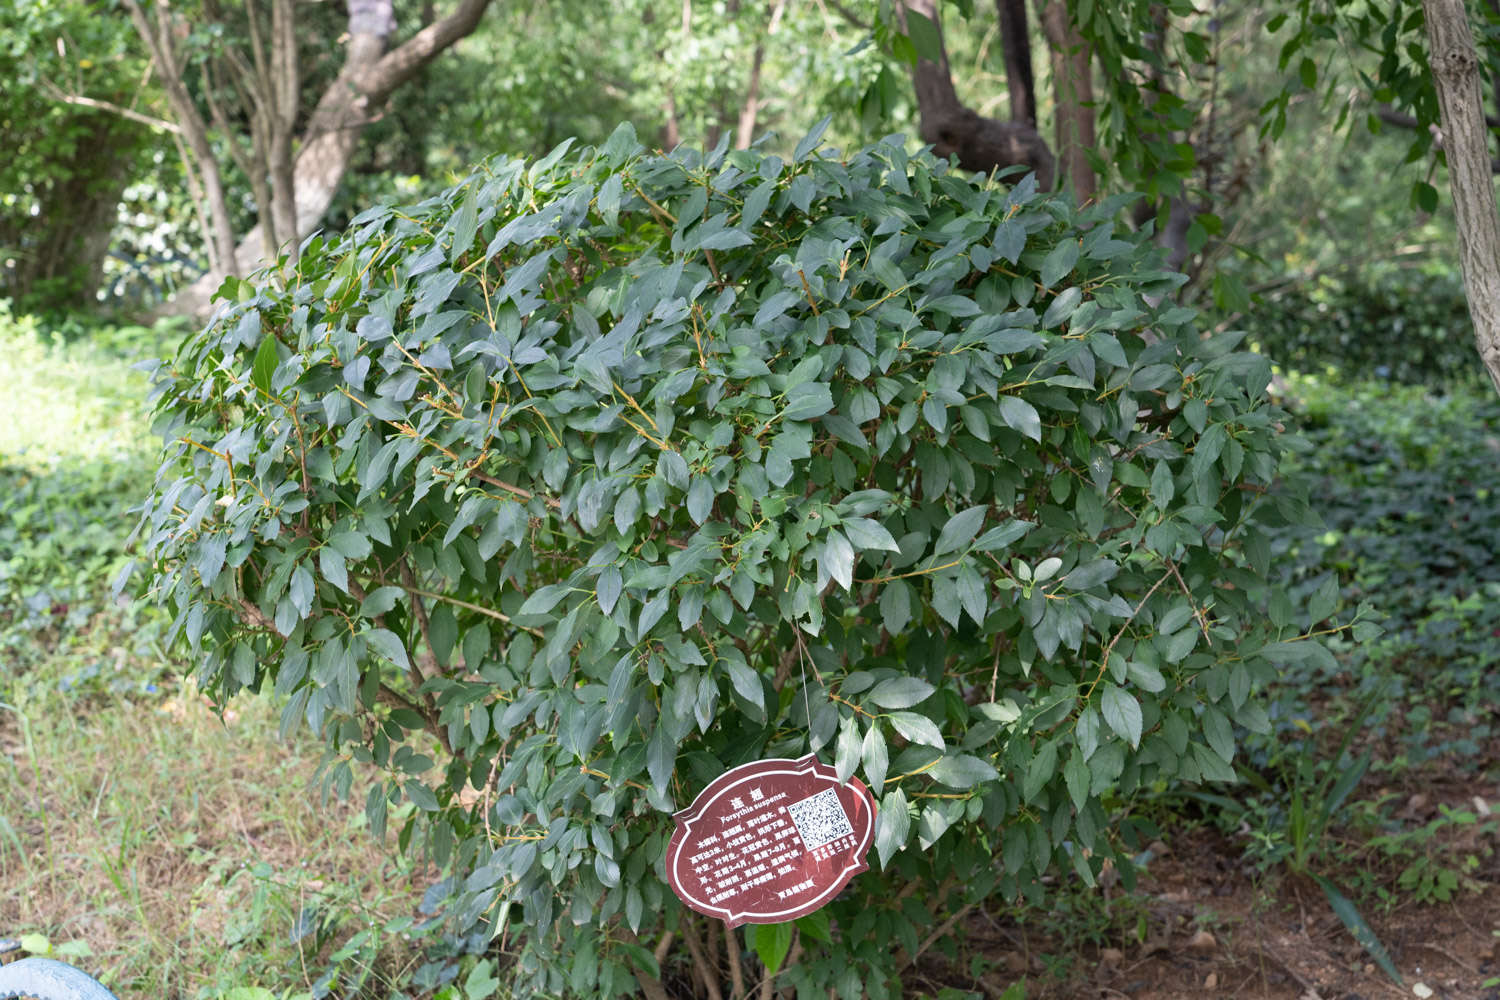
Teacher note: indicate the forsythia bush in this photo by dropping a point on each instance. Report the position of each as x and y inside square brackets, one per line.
[556, 496]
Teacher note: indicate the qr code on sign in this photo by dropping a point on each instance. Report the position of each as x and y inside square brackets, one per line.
[820, 819]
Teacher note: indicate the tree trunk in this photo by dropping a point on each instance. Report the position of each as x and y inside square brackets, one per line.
[1015, 42]
[981, 144]
[1072, 97]
[1455, 73]
[220, 239]
[60, 263]
[745, 133]
[369, 76]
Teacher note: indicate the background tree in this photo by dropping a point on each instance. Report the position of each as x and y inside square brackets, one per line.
[294, 179]
[58, 196]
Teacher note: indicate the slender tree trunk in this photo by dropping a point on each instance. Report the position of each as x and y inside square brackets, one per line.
[220, 239]
[981, 144]
[1455, 73]
[369, 76]
[285, 90]
[76, 207]
[1015, 43]
[745, 133]
[1072, 97]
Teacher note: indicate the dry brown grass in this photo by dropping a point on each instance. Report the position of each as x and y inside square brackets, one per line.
[178, 847]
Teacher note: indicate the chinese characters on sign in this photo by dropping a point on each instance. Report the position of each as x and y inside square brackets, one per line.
[770, 841]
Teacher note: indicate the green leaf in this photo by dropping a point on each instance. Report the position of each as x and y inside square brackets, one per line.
[1308, 72]
[331, 565]
[875, 758]
[389, 645]
[35, 944]
[608, 588]
[1010, 240]
[1021, 416]
[838, 558]
[661, 757]
[924, 36]
[808, 400]
[1122, 713]
[902, 691]
[622, 143]
[770, 942]
[895, 606]
[1000, 537]
[1061, 307]
[816, 926]
[960, 529]
[1076, 776]
[971, 593]
[892, 825]
[377, 602]
[918, 729]
[1176, 617]
[746, 682]
[700, 499]
[866, 534]
[1180, 644]
[1059, 262]
[810, 141]
[963, 771]
[464, 224]
[544, 599]
[1363, 933]
[1219, 733]
[846, 753]
[266, 361]
[421, 796]
[1042, 769]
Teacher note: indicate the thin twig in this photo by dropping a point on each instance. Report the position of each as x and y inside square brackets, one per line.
[115, 109]
[736, 975]
[944, 928]
[706, 971]
[478, 608]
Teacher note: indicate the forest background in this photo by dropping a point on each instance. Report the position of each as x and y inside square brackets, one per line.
[1288, 155]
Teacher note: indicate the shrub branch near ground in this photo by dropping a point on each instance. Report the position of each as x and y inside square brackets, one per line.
[556, 496]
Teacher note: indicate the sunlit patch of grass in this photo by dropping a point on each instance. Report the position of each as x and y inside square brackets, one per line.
[180, 847]
[174, 853]
[64, 402]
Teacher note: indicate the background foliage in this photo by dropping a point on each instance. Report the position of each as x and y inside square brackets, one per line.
[909, 452]
[1349, 280]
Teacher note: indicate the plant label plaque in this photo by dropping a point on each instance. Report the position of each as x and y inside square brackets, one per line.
[770, 841]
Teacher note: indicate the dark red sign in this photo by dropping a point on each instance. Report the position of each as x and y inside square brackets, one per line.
[770, 841]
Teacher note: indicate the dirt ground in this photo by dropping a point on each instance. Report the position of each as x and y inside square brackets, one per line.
[1214, 927]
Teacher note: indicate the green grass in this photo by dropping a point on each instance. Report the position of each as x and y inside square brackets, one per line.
[172, 851]
[179, 853]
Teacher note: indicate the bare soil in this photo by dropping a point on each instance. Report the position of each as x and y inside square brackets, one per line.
[1208, 924]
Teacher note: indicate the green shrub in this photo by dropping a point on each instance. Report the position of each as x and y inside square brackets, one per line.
[558, 495]
[1406, 326]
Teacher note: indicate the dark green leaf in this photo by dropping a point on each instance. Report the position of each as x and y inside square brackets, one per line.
[266, 361]
[892, 825]
[1122, 713]
[1363, 933]
[1059, 262]
[963, 771]
[917, 728]
[874, 757]
[1021, 416]
[902, 691]
[960, 530]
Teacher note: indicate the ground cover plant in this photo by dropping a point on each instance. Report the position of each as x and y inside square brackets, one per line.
[173, 851]
[1404, 480]
[558, 495]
